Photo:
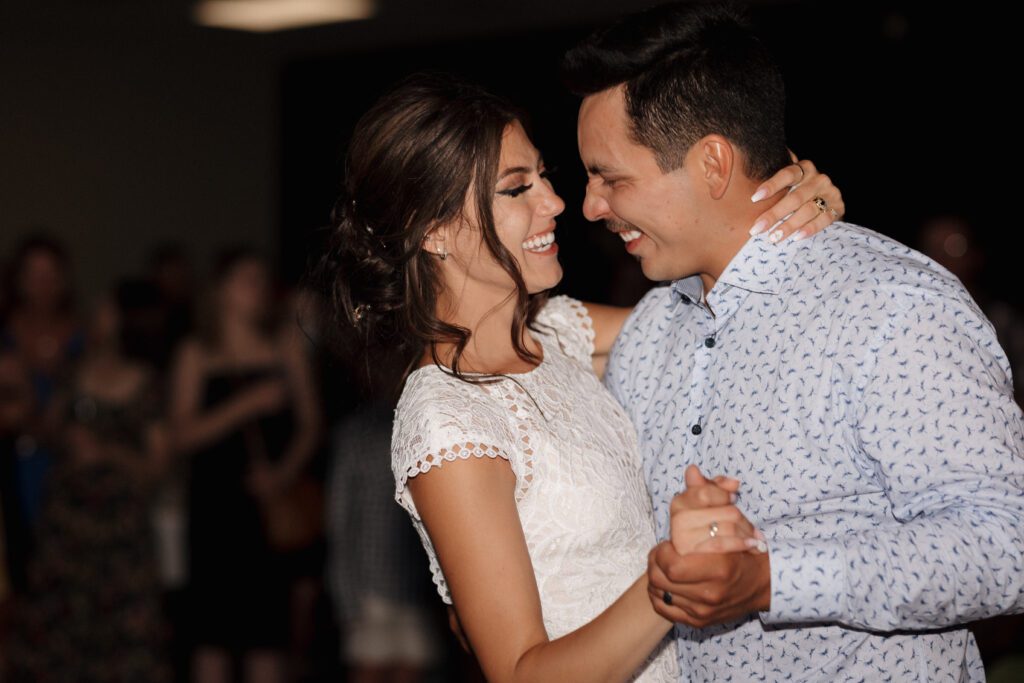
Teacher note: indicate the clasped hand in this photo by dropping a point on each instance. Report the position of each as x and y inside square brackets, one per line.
[715, 566]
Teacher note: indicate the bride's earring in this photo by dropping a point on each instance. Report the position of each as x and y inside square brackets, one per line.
[439, 247]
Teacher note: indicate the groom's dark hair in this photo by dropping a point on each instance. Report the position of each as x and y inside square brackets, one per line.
[689, 70]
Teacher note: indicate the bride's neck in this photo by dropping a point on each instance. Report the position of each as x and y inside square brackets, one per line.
[489, 320]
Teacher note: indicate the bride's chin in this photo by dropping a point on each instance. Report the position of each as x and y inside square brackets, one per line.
[536, 284]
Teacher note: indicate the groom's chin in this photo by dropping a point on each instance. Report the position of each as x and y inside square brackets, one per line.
[654, 270]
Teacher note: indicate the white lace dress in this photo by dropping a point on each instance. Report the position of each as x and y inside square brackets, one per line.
[580, 493]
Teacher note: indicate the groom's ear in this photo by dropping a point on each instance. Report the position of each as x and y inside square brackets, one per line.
[717, 162]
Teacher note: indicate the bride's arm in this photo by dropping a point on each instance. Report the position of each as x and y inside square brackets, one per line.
[469, 510]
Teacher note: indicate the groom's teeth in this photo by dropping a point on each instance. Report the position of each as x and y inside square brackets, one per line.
[539, 242]
[630, 235]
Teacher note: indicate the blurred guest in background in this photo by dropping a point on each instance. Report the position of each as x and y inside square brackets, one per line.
[171, 273]
[244, 407]
[41, 328]
[92, 610]
[16, 410]
[376, 570]
[951, 240]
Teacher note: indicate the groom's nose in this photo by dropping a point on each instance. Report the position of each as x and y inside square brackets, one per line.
[595, 208]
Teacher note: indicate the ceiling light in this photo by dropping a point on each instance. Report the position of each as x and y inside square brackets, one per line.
[277, 15]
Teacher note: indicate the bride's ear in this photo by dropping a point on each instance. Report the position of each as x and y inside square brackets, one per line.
[436, 242]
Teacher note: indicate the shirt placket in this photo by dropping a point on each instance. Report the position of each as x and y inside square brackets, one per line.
[694, 420]
[722, 303]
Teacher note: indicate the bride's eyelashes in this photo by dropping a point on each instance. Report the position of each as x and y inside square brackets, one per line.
[520, 189]
[515, 191]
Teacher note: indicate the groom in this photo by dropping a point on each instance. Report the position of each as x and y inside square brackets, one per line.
[849, 382]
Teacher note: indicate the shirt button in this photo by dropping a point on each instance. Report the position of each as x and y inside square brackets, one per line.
[709, 342]
[696, 430]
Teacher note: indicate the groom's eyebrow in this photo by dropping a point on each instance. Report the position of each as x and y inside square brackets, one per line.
[597, 169]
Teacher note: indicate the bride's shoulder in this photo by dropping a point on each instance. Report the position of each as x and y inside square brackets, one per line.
[441, 417]
[434, 400]
[568, 321]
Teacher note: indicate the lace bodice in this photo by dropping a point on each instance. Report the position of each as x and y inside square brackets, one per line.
[580, 492]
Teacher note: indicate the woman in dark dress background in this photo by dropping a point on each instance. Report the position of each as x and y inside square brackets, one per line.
[91, 611]
[38, 324]
[244, 410]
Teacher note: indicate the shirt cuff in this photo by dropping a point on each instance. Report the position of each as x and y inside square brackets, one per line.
[808, 579]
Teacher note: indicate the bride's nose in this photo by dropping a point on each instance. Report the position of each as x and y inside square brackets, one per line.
[551, 205]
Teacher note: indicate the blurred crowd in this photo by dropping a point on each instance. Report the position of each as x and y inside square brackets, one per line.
[167, 452]
[190, 489]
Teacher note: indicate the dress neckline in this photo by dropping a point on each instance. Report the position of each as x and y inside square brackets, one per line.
[448, 371]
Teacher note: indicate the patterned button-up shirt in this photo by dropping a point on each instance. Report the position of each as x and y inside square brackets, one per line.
[858, 393]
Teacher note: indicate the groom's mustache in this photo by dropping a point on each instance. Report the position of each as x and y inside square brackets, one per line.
[619, 226]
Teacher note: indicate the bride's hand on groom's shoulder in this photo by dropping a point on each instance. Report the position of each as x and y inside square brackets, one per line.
[811, 204]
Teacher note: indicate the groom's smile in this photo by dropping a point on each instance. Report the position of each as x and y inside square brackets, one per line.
[630, 234]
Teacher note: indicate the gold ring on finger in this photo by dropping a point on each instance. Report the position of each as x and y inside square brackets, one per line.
[821, 204]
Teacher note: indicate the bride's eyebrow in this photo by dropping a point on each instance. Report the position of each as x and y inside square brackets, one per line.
[515, 169]
[521, 169]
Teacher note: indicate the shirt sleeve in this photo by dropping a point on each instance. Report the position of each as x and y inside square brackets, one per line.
[938, 427]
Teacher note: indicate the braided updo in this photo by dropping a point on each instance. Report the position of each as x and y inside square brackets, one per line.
[415, 158]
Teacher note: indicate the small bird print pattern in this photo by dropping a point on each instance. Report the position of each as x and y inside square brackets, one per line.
[861, 397]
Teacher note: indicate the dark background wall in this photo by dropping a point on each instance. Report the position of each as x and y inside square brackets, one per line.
[122, 125]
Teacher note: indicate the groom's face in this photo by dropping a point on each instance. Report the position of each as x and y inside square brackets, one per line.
[658, 215]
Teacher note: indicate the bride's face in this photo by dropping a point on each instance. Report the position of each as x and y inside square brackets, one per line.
[524, 209]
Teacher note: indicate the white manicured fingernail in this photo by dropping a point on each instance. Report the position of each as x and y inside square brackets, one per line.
[799, 235]
[759, 227]
[775, 237]
[759, 195]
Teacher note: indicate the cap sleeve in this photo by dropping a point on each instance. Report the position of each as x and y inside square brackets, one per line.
[438, 421]
[568, 321]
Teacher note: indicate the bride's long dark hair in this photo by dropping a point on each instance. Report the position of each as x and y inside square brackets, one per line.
[415, 158]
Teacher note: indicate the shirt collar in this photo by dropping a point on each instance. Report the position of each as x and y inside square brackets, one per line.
[690, 289]
[759, 266]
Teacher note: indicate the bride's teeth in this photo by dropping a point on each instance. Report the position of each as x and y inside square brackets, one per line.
[540, 242]
[630, 235]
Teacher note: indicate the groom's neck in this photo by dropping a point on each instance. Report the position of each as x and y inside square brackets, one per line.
[735, 216]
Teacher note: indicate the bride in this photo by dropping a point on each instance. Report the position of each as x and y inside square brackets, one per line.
[519, 471]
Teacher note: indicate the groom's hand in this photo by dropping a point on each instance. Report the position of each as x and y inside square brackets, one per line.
[708, 588]
[704, 568]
